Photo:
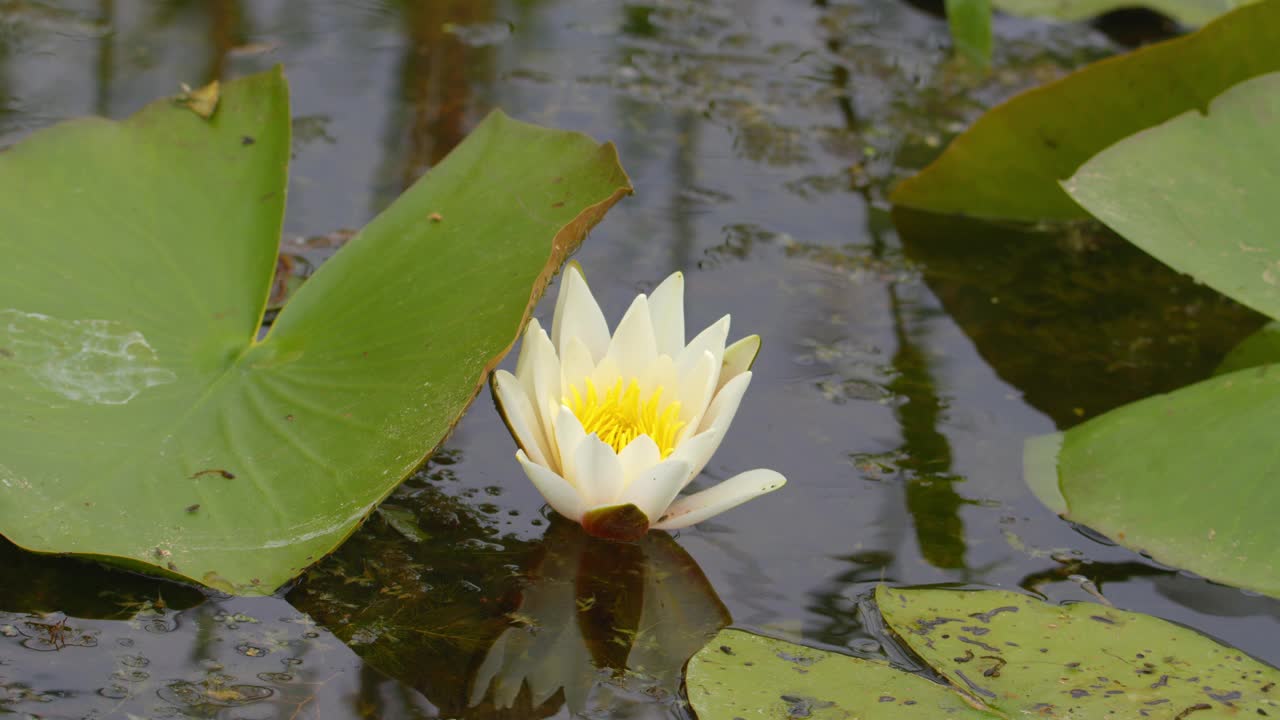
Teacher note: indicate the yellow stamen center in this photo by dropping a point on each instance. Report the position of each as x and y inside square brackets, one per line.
[621, 415]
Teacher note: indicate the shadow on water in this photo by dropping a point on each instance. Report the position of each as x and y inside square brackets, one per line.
[1079, 320]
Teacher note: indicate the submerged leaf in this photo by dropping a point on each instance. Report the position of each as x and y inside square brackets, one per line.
[1008, 164]
[1027, 658]
[139, 257]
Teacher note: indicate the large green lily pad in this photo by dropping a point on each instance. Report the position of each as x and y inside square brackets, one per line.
[1198, 193]
[1008, 164]
[1026, 658]
[143, 421]
[740, 675]
[1189, 12]
[1188, 477]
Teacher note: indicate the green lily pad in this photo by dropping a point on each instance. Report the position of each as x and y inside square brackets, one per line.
[1198, 193]
[1008, 164]
[740, 675]
[1188, 477]
[970, 23]
[1187, 12]
[145, 424]
[1027, 658]
[1260, 348]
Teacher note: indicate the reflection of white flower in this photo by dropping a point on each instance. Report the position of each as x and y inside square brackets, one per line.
[659, 611]
[612, 427]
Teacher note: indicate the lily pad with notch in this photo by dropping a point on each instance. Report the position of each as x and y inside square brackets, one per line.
[138, 262]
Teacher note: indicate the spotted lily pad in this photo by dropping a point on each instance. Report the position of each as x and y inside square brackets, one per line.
[1027, 658]
[741, 675]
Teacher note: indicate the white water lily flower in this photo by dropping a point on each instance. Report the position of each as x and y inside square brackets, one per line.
[612, 427]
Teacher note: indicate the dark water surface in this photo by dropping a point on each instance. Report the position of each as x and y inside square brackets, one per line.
[905, 359]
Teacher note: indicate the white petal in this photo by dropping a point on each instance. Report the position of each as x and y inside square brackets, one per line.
[738, 358]
[579, 315]
[557, 491]
[517, 411]
[697, 388]
[725, 405]
[576, 365]
[661, 373]
[543, 389]
[697, 451]
[605, 375]
[715, 424]
[597, 473]
[639, 455]
[711, 340]
[523, 362]
[654, 489]
[568, 436]
[713, 501]
[666, 307]
[633, 346]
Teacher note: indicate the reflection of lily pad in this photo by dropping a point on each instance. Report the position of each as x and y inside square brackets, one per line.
[1027, 658]
[145, 423]
[1079, 321]
[740, 675]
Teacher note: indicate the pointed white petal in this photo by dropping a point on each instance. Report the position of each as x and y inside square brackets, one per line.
[715, 424]
[711, 340]
[523, 364]
[697, 451]
[544, 377]
[666, 308]
[738, 358]
[697, 388]
[713, 501]
[661, 373]
[517, 411]
[576, 365]
[573, 267]
[725, 405]
[578, 315]
[597, 472]
[633, 346]
[654, 489]
[605, 375]
[639, 455]
[568, 436]
[557, 491]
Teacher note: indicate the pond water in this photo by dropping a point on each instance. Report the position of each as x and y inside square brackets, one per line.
[905, 360]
